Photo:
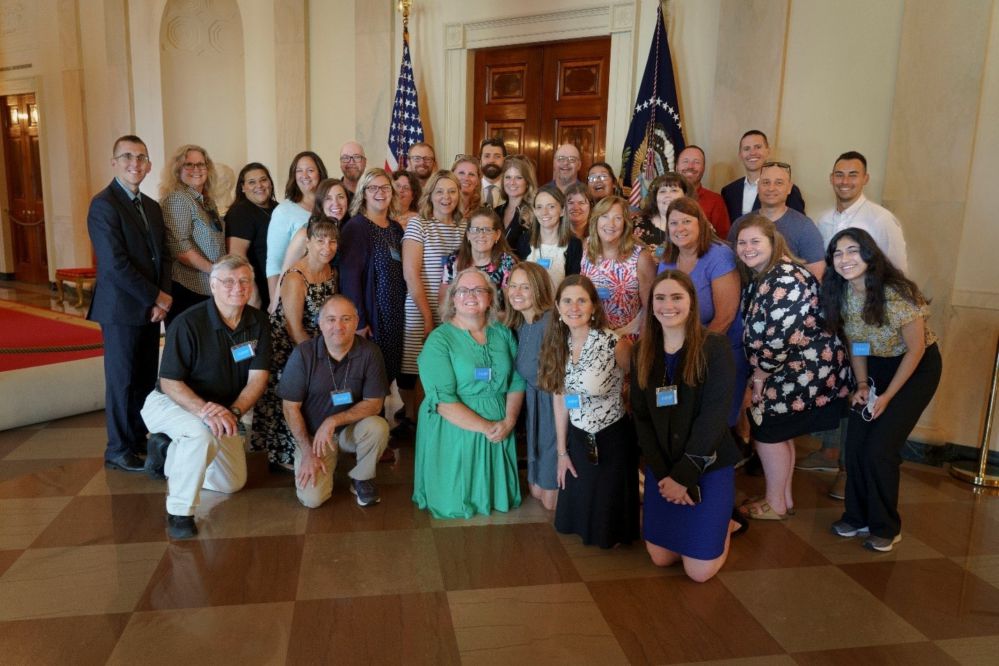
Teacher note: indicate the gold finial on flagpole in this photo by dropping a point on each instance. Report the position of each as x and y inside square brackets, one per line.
[404, 7]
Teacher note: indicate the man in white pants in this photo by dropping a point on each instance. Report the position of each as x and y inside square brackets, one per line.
[215, 366]
[333, 389]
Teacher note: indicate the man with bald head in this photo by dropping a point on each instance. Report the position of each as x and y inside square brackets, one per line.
[352, 165]
[566, 163]
[690, 165]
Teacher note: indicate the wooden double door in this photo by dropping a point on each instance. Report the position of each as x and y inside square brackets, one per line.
[539, 96]
[23, 206]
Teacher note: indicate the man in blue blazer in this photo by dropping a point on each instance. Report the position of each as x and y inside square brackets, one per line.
[131, 297]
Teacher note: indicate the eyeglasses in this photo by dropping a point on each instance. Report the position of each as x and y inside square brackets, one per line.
[194, 166]
[782, 165]
[403, 188]
[375, 189]
[129, 157]
[592, 454]
[420, 159]
[352, 158]
[480, 231]
[229, 283]
[566, 159]
[598, 177]
[461, 292]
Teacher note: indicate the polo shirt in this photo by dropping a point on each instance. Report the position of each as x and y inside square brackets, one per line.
[800, 233]
[198, 351]
[311, 374]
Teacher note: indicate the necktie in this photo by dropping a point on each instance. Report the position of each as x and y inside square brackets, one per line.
[489, 195]
[137, 202]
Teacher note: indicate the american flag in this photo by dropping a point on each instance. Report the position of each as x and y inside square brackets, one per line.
[406, 127]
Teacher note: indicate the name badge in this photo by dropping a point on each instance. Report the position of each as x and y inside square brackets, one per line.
[444, 261]
[860, 349]
[666, 396]
[660, 251]
[483, 374]
[572, 401]
[394, 253]
[244, 351]
[603, 293]
[545, 263]
[341, 398]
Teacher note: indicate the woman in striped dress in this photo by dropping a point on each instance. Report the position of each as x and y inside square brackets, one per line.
[425, 248]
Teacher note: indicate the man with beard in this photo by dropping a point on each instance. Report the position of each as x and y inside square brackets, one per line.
[690, 165]
[492, 152]
[422, 161]
[352, 164]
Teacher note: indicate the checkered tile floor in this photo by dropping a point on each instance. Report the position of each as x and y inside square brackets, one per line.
[87, 575]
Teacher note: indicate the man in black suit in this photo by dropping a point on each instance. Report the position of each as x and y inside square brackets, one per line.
[130, 297]
[741, 195]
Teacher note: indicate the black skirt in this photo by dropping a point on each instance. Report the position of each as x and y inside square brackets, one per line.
[601, 506]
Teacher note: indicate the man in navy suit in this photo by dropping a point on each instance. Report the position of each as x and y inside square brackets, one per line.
[130, 297]
[742, 195]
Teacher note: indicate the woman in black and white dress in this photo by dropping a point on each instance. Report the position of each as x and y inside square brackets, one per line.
[583, 367]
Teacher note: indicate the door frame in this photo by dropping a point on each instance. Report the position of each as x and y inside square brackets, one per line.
[29, 84]
[615, 19]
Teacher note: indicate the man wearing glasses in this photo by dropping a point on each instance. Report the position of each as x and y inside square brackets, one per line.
[802, 236]
[422, 161]
[566, 163]
[741, 196]
[130, 297]
[352, 165]
[215, 367]
[333, 390]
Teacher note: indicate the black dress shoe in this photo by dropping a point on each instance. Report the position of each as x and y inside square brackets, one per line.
[181, 527]
[126, 462]
[156, 453]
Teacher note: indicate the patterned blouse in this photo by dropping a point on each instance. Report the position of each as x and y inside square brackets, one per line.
[597, 380]
[617, 285]
[651, 236]
[190, 225]
[784, 336]
[886, 341]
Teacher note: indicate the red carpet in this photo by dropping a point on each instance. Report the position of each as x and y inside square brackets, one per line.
[23, 327]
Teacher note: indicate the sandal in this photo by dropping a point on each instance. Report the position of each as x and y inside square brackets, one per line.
[761, 511]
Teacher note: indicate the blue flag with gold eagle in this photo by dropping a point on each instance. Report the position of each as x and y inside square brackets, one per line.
[655, 137]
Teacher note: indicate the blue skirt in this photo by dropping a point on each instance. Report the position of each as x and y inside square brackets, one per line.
[695, 531]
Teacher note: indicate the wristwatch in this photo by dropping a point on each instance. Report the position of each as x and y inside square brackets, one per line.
[237, 411]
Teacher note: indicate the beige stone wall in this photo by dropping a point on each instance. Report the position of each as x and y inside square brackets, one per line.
[912, 84]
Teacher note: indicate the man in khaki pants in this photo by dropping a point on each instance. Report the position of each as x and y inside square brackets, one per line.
[333, 390]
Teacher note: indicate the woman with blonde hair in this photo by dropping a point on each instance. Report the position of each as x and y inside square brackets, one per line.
[620, 268]
[195, 235]
[519, 186]
[466, 168]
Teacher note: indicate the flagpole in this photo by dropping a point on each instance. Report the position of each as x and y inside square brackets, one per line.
[404, 7]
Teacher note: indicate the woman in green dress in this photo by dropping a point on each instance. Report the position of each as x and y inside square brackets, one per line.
[466, 459]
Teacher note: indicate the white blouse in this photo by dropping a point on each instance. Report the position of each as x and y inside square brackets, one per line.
[597, 380]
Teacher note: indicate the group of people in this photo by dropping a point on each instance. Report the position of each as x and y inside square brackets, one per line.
[496, 304]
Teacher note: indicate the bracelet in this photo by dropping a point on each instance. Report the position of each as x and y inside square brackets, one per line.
[757, 381]
[563, 454]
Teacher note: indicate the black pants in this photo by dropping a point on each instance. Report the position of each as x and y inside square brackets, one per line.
[873, 448]
[183, 298]
[131, 357]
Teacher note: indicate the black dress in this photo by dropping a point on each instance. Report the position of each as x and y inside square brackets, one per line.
[249, 221]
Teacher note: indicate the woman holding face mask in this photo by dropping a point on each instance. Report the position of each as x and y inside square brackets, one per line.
[583, 367]
[246, 225]
[897, 365]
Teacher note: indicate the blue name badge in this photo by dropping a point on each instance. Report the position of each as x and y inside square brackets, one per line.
[545, 263]
[444, 261]
[666, 396]
[860, 349]
[572, 401]
[341, 398]
[483, 374]
[244, 351]
[603, 293]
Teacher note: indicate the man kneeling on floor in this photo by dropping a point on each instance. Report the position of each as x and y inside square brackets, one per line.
[214, 368]
[333, 390]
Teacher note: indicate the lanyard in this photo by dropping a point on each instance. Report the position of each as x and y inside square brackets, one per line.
[346, 379]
